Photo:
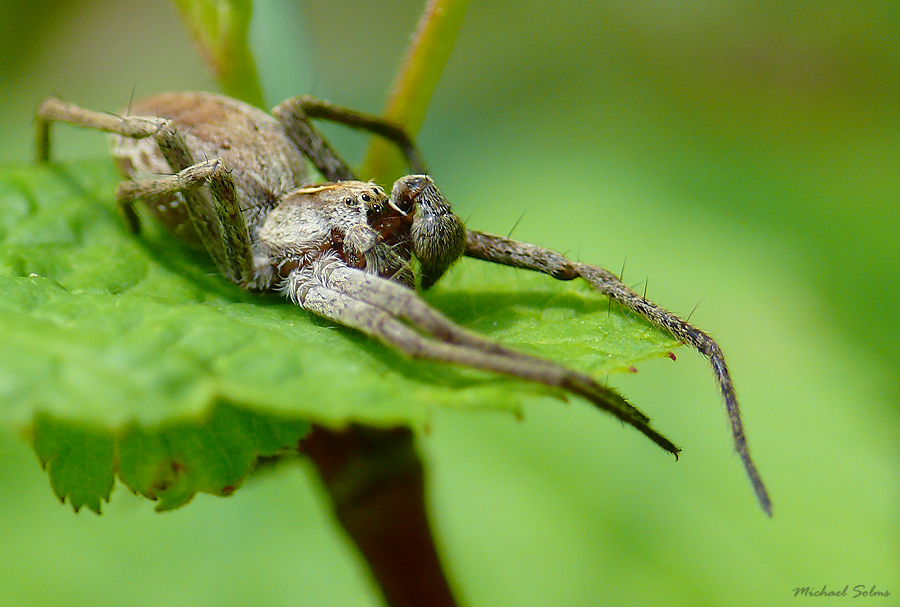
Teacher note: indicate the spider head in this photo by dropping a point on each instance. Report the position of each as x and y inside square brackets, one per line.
[348, 202]
[341, 205]
[318, 219]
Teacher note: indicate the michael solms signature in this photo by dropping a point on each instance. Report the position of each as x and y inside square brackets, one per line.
[857, 592]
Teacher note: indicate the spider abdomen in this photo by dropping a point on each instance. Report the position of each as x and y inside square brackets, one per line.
[214, 127]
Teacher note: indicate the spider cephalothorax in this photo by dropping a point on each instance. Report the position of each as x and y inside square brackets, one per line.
[231, 178]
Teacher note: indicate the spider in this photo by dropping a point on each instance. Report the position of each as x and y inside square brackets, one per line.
[233, 180]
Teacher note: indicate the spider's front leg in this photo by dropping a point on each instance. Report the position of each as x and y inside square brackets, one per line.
[335, 250]
[530, 257]
[398, 317]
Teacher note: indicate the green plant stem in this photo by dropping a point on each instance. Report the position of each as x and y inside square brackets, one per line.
[219, 28]
[421, 69]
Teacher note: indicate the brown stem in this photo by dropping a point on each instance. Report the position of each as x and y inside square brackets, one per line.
[376, 484]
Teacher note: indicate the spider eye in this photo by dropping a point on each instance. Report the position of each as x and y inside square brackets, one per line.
[374, 211]
[366, 198]
[349, 202]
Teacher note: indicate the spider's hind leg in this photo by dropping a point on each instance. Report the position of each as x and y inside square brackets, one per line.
[53, 110]
[215, 214]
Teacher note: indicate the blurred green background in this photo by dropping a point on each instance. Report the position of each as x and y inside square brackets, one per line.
[743, 155]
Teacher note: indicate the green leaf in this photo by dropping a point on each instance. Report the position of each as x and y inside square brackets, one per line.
[78, 458]
[129, 354]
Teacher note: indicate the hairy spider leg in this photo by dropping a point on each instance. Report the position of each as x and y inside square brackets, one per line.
[296, 115]
[527, 256]
[215, 215]
[362, 301]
